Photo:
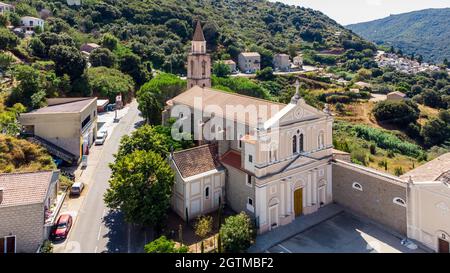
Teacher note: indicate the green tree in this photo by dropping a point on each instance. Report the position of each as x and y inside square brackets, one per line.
[110, 41]
[398, 113]
[203, 227]
[153, 95]
[102, 57]
[5, 61]
[141, 187]
[131, 64]
[164, 245]
[8, 40]
[37, 47]
[265, 74]
[109, 82]
[435, 132]
[68, 60]
[151, 138]
[50, 39]
[31, 82]
[220, 69]
[237, 233]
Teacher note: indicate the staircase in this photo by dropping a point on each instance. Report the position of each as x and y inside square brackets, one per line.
[54, 150]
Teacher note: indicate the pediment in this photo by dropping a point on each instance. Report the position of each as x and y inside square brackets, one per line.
[301, 112]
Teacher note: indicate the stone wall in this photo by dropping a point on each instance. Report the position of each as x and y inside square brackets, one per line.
[237, 190]
[26, 223]
[375, 199]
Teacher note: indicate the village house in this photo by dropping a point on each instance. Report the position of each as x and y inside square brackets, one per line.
[429, 204]
[67, 127]
[4, 7]
[396, 96]
[249, 62]
[26, 204]
[29, 23]
[231, 65]
[88, 47]
[297, 62]
[281, 62]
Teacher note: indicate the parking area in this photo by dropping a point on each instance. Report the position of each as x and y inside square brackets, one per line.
[344, 233]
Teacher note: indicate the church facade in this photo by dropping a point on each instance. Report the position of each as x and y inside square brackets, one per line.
[271, 160]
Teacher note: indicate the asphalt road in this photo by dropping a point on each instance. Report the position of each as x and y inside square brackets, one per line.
[96, 228]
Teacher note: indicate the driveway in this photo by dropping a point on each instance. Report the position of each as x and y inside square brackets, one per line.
[344, 233]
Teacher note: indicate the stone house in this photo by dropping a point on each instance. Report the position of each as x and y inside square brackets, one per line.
[67, 127]
[281, 62]
[249, 62]
[396, 96]
[26, 201]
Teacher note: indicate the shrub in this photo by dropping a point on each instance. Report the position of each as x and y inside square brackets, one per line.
[398, 171]
[397, 113]
[237, 233]
[164, 245]
[373, 149]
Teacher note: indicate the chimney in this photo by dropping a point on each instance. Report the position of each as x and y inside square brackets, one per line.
[1, 195]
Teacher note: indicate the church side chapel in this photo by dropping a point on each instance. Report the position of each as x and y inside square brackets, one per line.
[274, 163]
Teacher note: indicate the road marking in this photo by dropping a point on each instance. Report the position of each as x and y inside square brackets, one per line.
[288, 251]
[129, 238]
[95, 250]
[99, 232]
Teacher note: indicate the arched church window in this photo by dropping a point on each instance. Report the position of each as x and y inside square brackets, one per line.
[302, 148]
[204, 68]
[294, 144]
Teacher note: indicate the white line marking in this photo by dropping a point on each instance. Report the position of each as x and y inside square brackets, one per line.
[99, 233]
[95, 250]
[129, 238]
[267, 251]
[288, 251]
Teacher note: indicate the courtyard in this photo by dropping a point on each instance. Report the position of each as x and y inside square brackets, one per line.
[343, 233]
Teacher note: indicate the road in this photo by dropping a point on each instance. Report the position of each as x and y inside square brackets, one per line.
[97, 229]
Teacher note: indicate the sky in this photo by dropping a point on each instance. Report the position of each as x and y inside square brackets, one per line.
[355, 11]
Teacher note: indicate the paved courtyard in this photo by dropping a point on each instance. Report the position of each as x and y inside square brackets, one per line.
[343, 233]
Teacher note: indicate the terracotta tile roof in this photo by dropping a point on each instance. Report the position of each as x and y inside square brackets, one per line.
[232, 158]
[222, 99]
[431, 171]
[198, 34]
[25, 188]
[196, 160]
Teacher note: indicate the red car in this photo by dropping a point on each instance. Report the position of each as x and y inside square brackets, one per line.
[62, 227]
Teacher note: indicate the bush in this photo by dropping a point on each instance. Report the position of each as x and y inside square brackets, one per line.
[237, 233]
[164, 245]
[46, 247]
[397, 113]
[338, 98]
[398, 171]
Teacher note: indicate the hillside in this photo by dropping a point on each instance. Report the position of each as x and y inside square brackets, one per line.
[159, 31]
[422, 32]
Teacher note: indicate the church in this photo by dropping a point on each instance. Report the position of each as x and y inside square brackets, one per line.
[268, 159]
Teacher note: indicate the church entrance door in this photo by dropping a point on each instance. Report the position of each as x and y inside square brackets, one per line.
[298, 202]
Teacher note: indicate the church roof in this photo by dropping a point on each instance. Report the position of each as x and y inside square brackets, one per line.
[210, 97]
[198, 34]
[197, 160]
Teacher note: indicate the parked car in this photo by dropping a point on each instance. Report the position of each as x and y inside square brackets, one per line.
[77, 188]
[101, 137]
[62, 227]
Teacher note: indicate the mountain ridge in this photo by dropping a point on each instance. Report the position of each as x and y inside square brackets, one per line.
[423, 32]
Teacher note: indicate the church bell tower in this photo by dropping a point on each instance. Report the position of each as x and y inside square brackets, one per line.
[199, 62]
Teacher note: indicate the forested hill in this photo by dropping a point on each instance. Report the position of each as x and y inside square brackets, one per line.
[160, 30]
[424, 32]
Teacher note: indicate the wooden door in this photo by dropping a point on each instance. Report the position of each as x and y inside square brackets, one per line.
[444, 246]
[298, 202]
[11, 244]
